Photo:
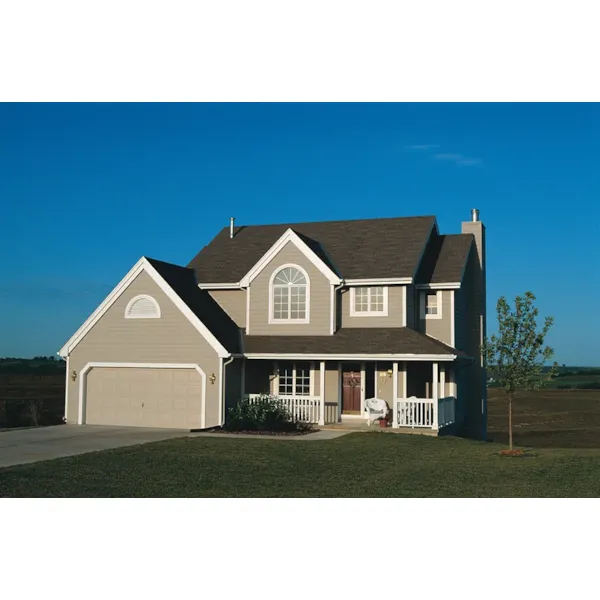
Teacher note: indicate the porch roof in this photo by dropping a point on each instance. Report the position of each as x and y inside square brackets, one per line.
[351, 341]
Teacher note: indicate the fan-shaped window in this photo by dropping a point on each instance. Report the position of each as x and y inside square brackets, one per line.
[142, 307]
[289, 295]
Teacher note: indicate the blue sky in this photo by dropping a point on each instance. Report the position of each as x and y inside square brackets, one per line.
[86, 189]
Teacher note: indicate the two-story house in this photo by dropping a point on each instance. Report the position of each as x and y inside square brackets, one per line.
[322, 315]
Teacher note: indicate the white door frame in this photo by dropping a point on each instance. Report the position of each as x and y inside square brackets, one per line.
[123, 365]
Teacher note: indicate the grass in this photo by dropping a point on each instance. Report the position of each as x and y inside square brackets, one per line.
[561, 430]
[357, 465]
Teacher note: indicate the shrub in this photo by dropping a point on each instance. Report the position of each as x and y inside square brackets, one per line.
[265, 413]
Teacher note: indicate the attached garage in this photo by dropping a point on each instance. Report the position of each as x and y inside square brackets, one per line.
[143, 396]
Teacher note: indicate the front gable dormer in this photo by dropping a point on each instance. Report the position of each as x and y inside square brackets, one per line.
[290, 291]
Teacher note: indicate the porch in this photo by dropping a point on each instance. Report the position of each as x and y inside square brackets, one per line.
[421, 395]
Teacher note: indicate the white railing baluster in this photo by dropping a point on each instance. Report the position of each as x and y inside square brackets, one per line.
[302, 408]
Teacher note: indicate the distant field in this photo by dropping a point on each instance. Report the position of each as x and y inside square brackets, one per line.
[16, 389]
[547, 419]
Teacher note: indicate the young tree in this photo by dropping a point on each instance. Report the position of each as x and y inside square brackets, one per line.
[518, 353]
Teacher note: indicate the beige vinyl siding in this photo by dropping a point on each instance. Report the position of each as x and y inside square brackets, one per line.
[331, 382]
[395, 310]
[320, 298]
[384, 385]
[440, 329]
[233, 302]
[170, 339]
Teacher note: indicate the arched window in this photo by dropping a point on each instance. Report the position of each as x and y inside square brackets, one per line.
[142, 307]
[289, 295]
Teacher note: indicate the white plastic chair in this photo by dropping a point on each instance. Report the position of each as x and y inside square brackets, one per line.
[376, 409]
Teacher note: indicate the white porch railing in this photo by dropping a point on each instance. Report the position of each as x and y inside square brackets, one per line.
[421, 412]
[301, 408]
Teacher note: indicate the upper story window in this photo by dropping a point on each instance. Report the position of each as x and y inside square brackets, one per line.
[431, 305]
[142, 307]
[289, 295]
[369, 301]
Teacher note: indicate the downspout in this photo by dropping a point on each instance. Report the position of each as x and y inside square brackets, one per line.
[222, 391]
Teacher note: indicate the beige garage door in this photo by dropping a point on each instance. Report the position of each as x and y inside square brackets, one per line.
[144, 397]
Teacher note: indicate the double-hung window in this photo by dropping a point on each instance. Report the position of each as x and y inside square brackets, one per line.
[369, 301]
[294, 379]
[431, 305]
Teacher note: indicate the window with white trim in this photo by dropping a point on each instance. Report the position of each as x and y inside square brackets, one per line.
[294, 379]
[289, 289]
[431, 304]
[142, 307]
[369, 301]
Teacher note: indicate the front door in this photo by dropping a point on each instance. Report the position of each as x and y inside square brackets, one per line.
[351, 392]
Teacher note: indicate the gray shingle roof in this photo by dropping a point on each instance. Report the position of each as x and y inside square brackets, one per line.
[183, 282]
[445, 258]
[354, 249]
[372, 340]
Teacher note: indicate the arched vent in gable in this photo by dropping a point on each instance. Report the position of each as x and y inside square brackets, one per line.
[142, 307]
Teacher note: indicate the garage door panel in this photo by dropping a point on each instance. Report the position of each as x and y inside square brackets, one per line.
[146, 397]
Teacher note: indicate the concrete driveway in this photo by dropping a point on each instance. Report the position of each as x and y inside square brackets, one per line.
[45, 443]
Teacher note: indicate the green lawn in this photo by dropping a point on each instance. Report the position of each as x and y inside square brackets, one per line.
[356, 465]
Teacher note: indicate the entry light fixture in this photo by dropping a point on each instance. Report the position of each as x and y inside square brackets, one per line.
[73, 375]
[212, 378]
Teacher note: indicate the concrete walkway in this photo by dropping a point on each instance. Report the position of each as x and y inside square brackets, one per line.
[45, 443]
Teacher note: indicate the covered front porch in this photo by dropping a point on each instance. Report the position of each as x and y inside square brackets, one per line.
[420, 394]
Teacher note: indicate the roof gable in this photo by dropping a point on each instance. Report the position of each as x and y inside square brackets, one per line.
[160, 272]
[353, 249]
[291, 237]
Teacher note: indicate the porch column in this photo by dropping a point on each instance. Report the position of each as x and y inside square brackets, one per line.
[339, 371]
[395, 394]
[435, 386]
[363, 388]
[442, 392]
[322, 392]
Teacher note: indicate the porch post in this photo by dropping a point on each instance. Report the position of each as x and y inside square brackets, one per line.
[435, 395]
[322, 392]
[395, 394]
[363, 388]
[339, 371]
[442, 393]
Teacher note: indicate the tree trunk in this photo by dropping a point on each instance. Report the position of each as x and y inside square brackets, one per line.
[510, 399]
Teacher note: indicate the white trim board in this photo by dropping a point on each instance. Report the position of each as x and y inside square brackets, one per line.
[379, 281]
[289, 236]
[143, 265]
[438, 286]
[219, 286]
[89, 366]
